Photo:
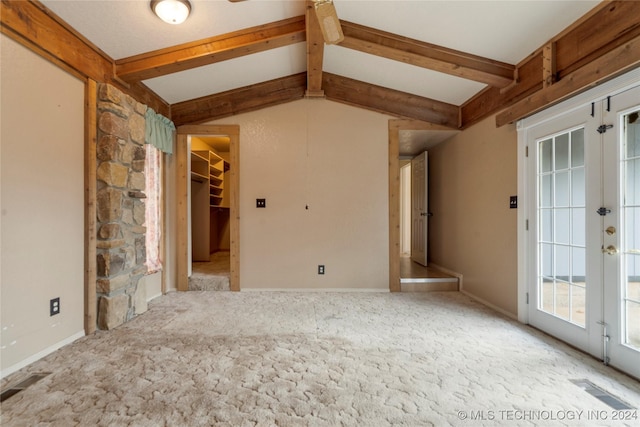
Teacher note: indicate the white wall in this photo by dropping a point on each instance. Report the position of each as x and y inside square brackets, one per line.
[42, 205]
[333, 159]
[473, 231]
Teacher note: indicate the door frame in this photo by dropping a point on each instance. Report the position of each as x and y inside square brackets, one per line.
[395, 126]
[182, 207]
[527, 195]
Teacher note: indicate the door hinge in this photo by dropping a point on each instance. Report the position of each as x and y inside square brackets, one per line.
[603, 128]
[526, 151]
[527, 298]
[526, 225]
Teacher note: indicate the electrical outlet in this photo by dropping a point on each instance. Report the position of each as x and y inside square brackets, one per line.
[261, 203]
[321, 269]
[54, 306]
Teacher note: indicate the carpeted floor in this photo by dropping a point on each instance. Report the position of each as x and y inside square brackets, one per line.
[317, 359]
[212, 275]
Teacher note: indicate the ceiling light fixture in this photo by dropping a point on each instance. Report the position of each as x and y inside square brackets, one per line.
[171, 11]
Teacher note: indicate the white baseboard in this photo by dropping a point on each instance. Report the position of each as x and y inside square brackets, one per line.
[314, 290]
[29, 360]
[491, 306]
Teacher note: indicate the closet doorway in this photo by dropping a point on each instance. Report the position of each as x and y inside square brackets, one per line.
[208, 208]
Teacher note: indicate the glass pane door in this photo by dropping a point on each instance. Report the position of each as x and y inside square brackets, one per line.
[564, 275]
[622, 265]
[561, 229]
[631, 226]
[583, 238]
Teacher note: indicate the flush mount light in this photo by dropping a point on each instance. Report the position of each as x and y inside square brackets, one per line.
[171, 11]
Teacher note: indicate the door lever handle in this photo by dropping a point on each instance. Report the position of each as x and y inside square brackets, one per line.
[610, 250]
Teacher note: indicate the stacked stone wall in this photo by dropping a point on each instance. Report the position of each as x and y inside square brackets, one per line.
[121, 248]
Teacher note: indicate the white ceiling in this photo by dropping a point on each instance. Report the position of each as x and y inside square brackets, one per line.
[507, 31]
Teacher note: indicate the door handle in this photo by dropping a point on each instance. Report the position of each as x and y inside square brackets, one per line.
[610, 250]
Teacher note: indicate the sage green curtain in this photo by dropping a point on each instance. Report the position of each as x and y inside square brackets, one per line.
[159, 131]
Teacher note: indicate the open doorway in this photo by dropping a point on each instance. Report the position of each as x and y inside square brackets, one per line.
[207, 187]
[210, 219]
[408, 214]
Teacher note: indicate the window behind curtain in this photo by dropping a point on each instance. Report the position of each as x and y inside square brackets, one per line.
[152, 207]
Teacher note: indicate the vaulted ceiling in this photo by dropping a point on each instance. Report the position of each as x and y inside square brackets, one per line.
[410, 59]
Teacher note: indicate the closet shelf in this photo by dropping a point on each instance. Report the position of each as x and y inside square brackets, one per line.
[198, 177]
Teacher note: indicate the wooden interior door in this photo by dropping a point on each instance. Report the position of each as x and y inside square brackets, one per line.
[419, 208]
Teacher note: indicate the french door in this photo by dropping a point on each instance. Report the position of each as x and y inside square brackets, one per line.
[583, 264]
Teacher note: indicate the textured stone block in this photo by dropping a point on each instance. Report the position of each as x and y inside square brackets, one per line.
[140, 108]
[140, 270]
[107, 148]
[141, 250]
[110, 244]
[109, 204]
[137, 128]
[138, 229]
[139, 153]
[111, 124]
[138, 165]
[114, 108]
[109, 264]
[113, 174]
[129, 255]
[139, 213]
[127, 217]
[109, 93]
[106, 286]
[127, 153]
[137, 181]
[112, 311]
[109, 231]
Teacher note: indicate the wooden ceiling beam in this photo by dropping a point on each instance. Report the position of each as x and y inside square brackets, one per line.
[211, 50]
[389, 101]
[242, 100]
[426, 55]
[605, 29]
[315, 52]
[616, 62]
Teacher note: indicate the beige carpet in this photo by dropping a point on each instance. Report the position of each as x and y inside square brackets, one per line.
[212, 275]
[316, 359]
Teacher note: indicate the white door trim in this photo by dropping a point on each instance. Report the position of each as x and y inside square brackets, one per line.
[526, 196]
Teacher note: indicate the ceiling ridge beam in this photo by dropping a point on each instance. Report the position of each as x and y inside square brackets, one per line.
[315, 52]
[240, 100]
[211, 50]
[390, 101]
[427, 55]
